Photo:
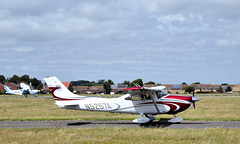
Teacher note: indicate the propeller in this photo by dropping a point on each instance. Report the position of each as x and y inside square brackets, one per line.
[194, 99]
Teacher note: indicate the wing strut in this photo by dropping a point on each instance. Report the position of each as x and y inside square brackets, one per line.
[155, 104]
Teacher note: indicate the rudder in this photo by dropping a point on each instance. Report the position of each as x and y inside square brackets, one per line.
[58, 90]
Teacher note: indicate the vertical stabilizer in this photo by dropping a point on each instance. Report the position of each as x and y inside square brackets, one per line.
[7, 89]
[59, 91]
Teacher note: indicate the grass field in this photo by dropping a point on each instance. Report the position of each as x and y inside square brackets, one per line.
[209, 108]
[120, 135]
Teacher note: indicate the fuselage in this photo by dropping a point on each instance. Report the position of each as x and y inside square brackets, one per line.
[168, 104]
[12, 92]
[146, 101]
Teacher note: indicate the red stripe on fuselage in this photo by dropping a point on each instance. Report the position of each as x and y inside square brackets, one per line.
[53, 89]
[173, 108]
[183, 106]
[172, 104]
[64, 99]
[186, 98]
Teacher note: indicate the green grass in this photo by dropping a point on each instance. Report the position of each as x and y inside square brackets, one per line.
[214, 109]
[120, 135]
[23, 109]
[209, 108]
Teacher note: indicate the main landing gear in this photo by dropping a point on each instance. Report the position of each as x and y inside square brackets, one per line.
[144, 119]
[149, 118]
[175, 119]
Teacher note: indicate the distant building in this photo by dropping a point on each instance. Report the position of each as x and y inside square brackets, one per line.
[66, 84]
[199, 88]
[149, 85]
[202, 88]
[117, 89]
[80, 89]
[215, 88]
[1, 88]
[88, 89]
[13, 86]
[224, 87]
[174, 88]
[236, 89]
[95, 89]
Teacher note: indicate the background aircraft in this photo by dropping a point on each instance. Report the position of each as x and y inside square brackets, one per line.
[24, 91]
[13, 92]
[147, 102]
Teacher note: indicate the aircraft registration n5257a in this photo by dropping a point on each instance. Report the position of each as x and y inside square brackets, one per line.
[145, 101]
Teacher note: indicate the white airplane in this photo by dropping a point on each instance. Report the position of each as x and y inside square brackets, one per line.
[145, 101]
[24, 91]
[13, 92]
[28, 90]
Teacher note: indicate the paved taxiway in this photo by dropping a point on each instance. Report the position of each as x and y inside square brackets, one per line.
[127, 124]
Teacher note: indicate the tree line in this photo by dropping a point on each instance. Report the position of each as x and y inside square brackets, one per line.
[37, 84]
[107, 84]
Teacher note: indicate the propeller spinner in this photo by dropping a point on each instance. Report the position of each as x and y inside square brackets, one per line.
[194, 99]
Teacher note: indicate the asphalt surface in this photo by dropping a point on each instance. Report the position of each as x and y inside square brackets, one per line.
[126, 124]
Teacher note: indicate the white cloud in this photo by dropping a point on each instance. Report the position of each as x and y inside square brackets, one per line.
[17, 49]
[146, 38]
[227, 43]
[22, 49]
[171, 18]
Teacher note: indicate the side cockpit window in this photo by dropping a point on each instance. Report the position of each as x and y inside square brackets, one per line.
[145, 96]
[133, 97]
[161, 94]
[139, 95]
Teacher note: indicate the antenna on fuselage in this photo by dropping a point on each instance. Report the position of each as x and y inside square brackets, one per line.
[137, 85]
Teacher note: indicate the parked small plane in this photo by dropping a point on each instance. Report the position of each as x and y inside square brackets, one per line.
[13, 92]
[145, 101]
[24, 91]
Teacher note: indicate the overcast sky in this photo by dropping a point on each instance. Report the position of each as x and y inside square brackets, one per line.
[162, 41]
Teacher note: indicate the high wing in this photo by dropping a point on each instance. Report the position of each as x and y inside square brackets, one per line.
[24, 86]
[28, 90]
[156, 88]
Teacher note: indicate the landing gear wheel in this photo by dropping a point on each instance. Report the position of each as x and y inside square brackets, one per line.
[175, 119]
